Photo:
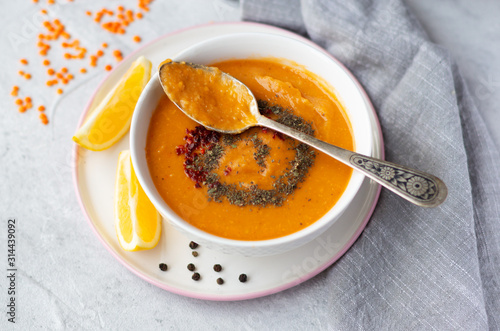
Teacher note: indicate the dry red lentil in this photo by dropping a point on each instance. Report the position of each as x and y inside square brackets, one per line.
[44, 118]
[54, 30]
[15, 90]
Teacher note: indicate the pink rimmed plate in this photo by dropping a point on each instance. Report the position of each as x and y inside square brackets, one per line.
[94, 175]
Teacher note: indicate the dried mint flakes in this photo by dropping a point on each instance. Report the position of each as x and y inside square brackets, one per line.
[203, 149]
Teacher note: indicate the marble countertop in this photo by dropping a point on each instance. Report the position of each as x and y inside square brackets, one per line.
[66, 278]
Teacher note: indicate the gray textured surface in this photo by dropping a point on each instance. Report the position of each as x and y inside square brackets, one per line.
[67, 280]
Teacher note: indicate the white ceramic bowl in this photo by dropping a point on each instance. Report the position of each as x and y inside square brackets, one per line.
[256, 45]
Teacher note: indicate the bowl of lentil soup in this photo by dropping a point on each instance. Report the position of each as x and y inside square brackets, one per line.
[256, 193]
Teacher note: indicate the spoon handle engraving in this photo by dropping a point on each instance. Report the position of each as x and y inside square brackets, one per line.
[416, 186]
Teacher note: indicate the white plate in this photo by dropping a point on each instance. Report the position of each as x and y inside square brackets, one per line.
[94, 176]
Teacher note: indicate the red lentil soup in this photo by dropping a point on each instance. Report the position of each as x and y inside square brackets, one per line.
[240, 165]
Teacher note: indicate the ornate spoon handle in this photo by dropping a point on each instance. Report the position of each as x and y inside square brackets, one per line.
[418, 187]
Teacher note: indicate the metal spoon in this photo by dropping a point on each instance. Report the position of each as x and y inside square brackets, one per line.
[418, 187]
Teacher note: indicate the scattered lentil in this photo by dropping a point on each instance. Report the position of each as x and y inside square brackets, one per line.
[118, 55]
[44, 119]
[15, 90]
[195, 253]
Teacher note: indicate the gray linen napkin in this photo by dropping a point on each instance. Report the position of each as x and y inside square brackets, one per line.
[412, 268]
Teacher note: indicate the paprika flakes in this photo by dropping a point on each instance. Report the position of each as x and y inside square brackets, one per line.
[54, 30]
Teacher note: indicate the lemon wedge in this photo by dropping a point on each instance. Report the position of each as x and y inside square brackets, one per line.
[138, 224]
[110, 120]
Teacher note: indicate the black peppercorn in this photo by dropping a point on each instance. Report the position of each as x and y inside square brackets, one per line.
[193, 245]
[220, 281]
[163, 267]
[196, 276]
[191, 267]
[243, 278]
[217, 267]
